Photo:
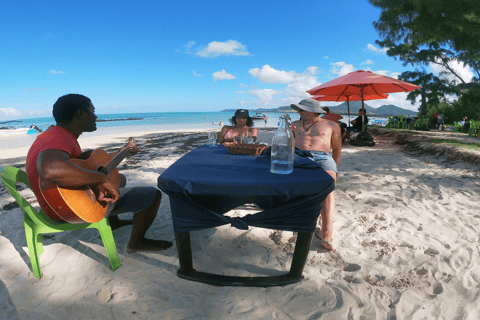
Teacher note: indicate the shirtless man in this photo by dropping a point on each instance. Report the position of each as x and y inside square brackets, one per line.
[318, 136]
[49, 158]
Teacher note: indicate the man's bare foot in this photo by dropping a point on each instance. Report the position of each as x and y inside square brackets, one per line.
[324, 243]
[116, 223]
[149, 245]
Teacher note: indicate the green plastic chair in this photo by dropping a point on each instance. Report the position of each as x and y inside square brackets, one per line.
[402, 122]
[425, 123]
[37, 223]
[391, 122]
[458, 127]
[474, 129]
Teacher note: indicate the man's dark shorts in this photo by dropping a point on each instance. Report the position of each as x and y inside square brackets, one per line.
[133, 200]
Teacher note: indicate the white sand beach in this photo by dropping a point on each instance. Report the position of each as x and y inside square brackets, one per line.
[405, 232]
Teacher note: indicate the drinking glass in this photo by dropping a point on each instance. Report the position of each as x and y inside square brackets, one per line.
[212, 135]
[238, 139]
[247, 137]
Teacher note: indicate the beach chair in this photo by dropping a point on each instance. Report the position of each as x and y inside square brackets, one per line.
[458, 127]
[425, 123]
[474, 129]
[37, 223]
[391, 122]
[402, 122]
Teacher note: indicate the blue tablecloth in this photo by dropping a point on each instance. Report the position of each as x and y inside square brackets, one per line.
[207, 182]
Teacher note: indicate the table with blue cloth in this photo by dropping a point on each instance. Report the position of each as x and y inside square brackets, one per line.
[209, 181]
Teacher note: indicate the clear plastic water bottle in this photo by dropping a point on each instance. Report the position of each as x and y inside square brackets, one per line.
[283, 147]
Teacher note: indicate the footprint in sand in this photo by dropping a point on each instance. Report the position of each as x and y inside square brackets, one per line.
[352, 267]
[438, 289]
[431, 252]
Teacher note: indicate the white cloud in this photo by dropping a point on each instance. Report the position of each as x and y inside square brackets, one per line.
[376, 49]
[222, 75]
[296, 90]
[382, 72]
[56, 72]
[398, 99]
[188, 46]
[297, 85]
[8, 112]
[34, 89]
[217, 48]
[395, 74]
[368, 62]
[196, 74]
[341, 68]
[266, 95]
[312, 70]
[465, 72]
[270, 75]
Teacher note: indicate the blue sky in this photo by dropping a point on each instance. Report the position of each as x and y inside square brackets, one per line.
[162, 56]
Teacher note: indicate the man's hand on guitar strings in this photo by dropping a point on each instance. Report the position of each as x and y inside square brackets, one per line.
[106, 192]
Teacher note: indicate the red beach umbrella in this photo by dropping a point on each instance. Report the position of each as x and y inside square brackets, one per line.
[362, 83]
[348, 98]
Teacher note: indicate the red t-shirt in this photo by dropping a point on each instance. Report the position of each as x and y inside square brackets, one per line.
[332, 116]
[54, 138]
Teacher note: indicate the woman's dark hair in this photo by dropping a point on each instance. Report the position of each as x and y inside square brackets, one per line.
[66, 107]
[233, 121]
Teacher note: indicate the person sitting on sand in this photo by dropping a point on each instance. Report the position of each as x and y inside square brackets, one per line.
[318, 136]
[465, 123]
[49, 159]
[357, 123]
[241, 123]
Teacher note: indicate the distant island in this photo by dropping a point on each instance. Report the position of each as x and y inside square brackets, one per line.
[385, 110]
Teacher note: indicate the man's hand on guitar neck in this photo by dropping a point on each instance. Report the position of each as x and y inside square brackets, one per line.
[132, 146]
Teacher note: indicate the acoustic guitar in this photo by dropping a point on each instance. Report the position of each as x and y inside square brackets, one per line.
[79, 204]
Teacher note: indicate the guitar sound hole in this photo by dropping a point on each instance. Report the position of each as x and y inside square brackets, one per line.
[101, 169]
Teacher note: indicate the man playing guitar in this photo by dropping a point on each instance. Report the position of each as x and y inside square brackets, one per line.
[49, 159]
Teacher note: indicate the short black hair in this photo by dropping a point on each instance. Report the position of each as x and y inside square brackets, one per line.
[66, 107]
[233, 121]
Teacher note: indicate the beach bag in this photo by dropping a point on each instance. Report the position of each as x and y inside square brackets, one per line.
[363, 139]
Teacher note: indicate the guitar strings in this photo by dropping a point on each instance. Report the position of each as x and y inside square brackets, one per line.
[110, 166]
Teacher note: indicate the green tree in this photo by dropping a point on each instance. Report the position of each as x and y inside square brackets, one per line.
[424, 32]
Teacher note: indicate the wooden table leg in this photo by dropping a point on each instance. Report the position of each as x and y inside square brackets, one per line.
[302, 247]
[184, 248]
[186, 270]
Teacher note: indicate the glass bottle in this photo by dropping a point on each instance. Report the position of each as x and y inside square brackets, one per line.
[283, 147]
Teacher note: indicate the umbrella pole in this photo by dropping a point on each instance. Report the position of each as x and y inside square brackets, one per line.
[363, 110]
[348, 108]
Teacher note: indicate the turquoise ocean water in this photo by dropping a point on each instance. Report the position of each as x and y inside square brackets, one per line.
[163, 121]
[155, 121]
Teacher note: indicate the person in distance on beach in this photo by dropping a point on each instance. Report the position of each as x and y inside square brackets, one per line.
[319, 136]
[357, 123]
[49, 158]
[241, 123]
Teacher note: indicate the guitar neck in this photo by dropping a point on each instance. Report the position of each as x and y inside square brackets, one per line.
[115, 161]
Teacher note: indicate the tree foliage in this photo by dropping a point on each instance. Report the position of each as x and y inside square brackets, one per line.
[424, 32]
[407, 25]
